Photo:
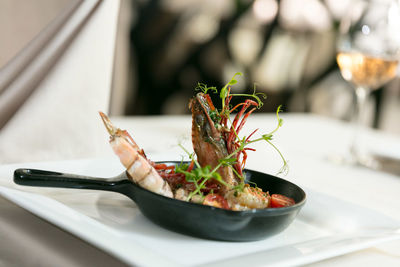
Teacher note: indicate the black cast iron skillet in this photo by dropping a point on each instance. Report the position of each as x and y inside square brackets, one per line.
[185, 217]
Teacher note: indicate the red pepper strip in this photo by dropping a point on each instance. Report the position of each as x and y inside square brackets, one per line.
[172, 167]
[235, 122]
[244, 120]
[191, 166]
[209, 101]
[243, 161]
[235, 107]
[247, 104]
[248, 138]
[160, 166]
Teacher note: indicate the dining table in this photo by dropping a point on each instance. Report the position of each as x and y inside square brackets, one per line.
[351, 216]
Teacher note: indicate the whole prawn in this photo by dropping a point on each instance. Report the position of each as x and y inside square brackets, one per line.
[212, 144]
[138, 167]
[208, 142]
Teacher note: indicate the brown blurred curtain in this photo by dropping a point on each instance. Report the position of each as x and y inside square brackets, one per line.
[22, 74]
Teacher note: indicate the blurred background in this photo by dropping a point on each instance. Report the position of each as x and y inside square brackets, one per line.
[286, 49]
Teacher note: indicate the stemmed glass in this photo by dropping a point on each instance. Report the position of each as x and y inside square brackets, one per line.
[368, 50]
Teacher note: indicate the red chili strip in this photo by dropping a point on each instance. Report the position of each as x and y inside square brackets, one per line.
[248, 138]
[209, 101]
[244, 120]
[191, 166]
[160, 166]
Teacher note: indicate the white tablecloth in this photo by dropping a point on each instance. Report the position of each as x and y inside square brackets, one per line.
[307, 141]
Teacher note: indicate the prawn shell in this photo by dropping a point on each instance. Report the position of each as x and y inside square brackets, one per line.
[124, 150]
[138, 168]
[207, 141]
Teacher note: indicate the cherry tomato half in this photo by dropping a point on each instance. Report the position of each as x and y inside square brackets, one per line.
[278, 201]
[217, 201]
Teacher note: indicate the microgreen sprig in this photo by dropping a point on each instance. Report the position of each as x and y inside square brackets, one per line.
[225, 91]
[268, 138]
[256, 95]
[204, 88]
[200, 175]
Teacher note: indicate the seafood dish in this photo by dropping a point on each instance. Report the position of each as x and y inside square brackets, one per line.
[215, 175]
[209, 196]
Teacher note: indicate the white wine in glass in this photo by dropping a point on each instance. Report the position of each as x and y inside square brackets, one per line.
[366, 71]
[368, 57]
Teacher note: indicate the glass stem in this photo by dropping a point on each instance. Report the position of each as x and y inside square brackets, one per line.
[361, 100]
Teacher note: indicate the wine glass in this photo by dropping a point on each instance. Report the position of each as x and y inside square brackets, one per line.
[368, 53]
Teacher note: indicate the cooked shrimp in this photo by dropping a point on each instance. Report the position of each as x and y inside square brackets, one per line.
[207, 140]
[249, 198]
[134, 160]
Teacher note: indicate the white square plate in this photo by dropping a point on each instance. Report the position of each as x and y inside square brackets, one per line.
[326, 227]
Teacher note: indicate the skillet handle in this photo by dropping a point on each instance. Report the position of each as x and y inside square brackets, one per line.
[41, 178]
